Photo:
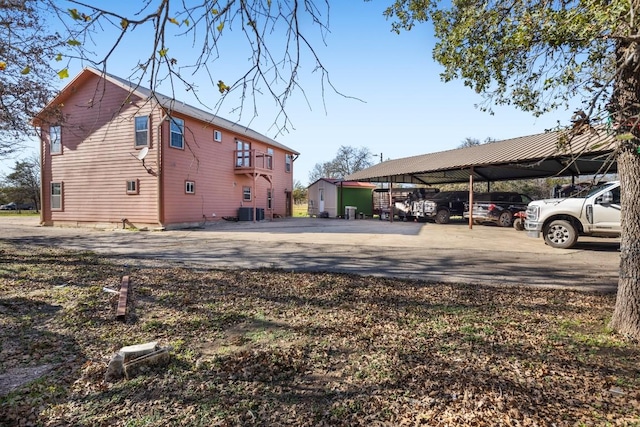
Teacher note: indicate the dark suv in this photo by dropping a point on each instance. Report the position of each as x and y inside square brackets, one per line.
[441, 206]
[498, 207]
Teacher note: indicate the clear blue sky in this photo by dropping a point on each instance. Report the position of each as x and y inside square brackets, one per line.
[405, 109]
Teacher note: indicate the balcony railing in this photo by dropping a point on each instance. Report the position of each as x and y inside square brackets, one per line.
[252, 161]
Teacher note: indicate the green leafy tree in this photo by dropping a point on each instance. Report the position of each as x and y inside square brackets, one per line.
[26, 50]
[23, 184]
[541, 55]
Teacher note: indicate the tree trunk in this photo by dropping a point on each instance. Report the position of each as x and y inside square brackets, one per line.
[626, 316]
[625, 103]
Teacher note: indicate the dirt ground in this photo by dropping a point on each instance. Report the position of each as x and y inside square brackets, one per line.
[451, 253]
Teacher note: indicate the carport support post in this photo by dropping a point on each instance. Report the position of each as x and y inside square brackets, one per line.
[471, 198]
[390, 200]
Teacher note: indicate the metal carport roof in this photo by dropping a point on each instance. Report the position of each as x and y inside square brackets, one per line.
[533, 156]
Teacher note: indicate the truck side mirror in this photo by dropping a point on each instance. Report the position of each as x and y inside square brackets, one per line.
[606, 198]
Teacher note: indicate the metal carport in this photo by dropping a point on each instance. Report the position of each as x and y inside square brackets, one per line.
[557, 153]
[535, 156]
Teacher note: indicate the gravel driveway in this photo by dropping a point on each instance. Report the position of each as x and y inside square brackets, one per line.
[426, 251]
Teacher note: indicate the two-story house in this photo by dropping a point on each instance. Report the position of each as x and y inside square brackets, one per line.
[116, 154]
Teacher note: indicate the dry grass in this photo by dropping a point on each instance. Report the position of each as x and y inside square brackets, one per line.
[277, 348]
[300, 210]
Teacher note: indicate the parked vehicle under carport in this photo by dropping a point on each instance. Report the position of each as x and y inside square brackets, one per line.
[498, 207]
[441, 206]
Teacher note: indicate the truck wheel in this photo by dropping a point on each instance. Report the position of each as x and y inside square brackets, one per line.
[442, 217]
[518, 224]
[560, 234]
[504, 220]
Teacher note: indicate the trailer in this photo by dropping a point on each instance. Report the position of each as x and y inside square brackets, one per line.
[402, 200]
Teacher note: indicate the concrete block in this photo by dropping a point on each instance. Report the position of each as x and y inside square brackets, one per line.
[132, 352]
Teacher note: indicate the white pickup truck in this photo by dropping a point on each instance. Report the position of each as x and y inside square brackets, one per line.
[561, 221]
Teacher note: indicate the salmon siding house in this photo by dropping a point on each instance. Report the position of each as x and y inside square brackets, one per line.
[117, 155]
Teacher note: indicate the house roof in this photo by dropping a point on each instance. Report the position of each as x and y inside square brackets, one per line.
[168, 103]
[533, 156]
[347, 184]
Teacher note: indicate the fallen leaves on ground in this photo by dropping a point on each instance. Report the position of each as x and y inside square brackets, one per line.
[266, 347]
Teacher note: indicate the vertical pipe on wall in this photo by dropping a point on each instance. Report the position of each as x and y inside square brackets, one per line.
[255, 197]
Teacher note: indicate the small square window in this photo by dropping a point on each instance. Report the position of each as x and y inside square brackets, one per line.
[217, 136]
[190, 187]
[132, 186]
[246, 194]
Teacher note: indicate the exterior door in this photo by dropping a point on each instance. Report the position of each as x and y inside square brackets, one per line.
[607, 217]
[288, 203]
[321, 200]
[243, 154]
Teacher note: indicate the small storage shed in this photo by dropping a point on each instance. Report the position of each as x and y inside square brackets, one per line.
[330, 197]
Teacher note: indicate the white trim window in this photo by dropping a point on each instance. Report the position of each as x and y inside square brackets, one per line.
[142, 131]
[287, 163]
[269, 162]
[56, 196]
[190, 187]
[177, 133]
[217, 135]
[55, 139]
[243, 154]
[132, 186]
[246, 194]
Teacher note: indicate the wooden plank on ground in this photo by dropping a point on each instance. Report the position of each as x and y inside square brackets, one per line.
[122, 301]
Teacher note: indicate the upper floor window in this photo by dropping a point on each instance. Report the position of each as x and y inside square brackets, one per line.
[287, 163]
[142, 131]
[217, 136]
[269, 162]
[190, 187]
[55, 139]
[177, 133]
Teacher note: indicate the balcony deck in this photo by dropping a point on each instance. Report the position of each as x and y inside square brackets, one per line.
[253, 162]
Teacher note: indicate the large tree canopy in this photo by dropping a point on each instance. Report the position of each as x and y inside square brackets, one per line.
[26, 50]
[535, 55]
[540, 55]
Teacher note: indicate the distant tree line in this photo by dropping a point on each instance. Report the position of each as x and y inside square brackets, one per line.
[347, 161]
[22, 185]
